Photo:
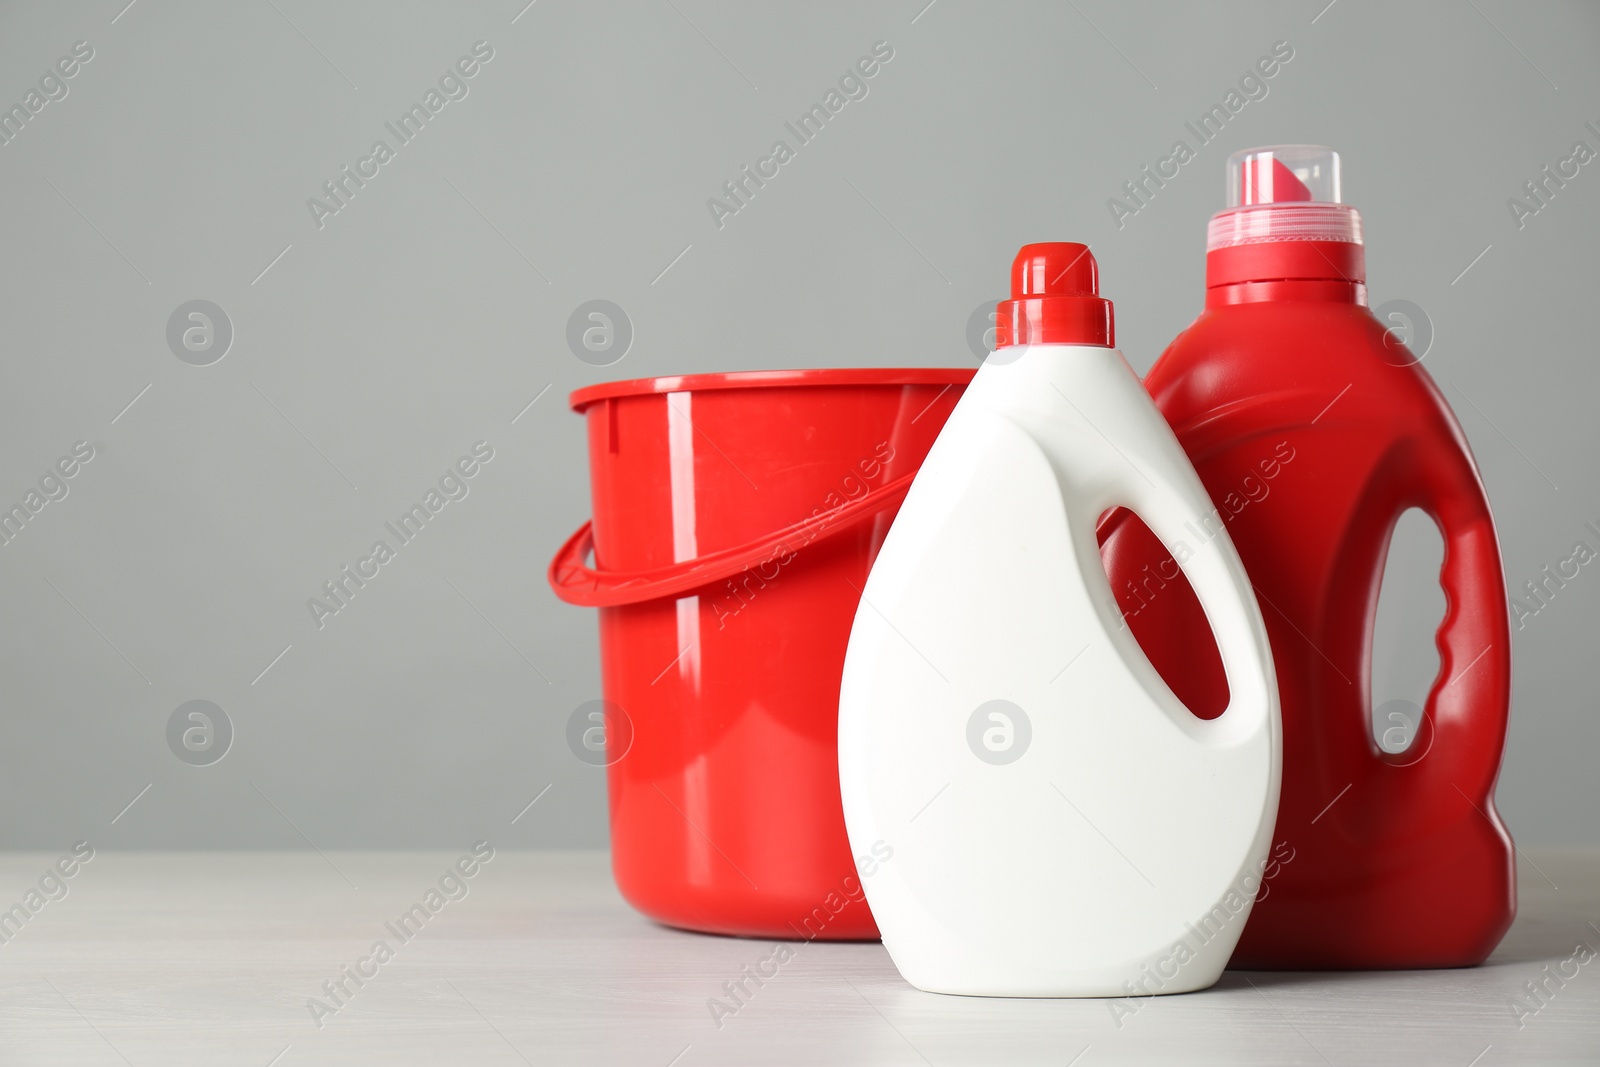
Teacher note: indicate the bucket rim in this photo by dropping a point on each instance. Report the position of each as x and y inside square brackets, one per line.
[755, 379]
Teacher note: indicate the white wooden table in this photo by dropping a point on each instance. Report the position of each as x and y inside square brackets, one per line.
[210, 958]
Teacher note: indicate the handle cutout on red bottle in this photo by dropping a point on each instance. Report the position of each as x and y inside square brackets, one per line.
[1404, 656]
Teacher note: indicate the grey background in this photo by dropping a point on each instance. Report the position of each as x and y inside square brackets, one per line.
[427, 314]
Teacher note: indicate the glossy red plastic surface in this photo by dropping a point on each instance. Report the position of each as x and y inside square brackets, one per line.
[735, 519]
[1314, 430]
[1055, 299]
[1285, 260]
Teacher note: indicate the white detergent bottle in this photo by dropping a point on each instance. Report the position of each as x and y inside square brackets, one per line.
[1061, 825]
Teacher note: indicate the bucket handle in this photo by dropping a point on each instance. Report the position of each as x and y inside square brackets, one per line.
[577, 583]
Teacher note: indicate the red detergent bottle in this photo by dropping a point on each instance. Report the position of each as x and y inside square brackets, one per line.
[1314, 429]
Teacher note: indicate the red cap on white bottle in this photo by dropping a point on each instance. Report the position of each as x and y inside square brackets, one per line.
[1055, 299]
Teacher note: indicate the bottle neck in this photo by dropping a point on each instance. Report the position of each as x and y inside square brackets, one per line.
[1325, 271]
[1287, 289]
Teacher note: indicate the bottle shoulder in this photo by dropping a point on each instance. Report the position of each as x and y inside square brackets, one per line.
[1040, 378]
[1278, 366]
[1084, 406]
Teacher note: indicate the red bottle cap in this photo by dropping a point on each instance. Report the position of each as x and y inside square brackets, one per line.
[1283, 193]
[1055, 299]
[1285, 222]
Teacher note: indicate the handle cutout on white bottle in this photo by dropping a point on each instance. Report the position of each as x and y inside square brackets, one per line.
[1200, 684]
[1205, 556]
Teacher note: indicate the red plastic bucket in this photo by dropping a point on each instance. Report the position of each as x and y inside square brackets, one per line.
[735, 519]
